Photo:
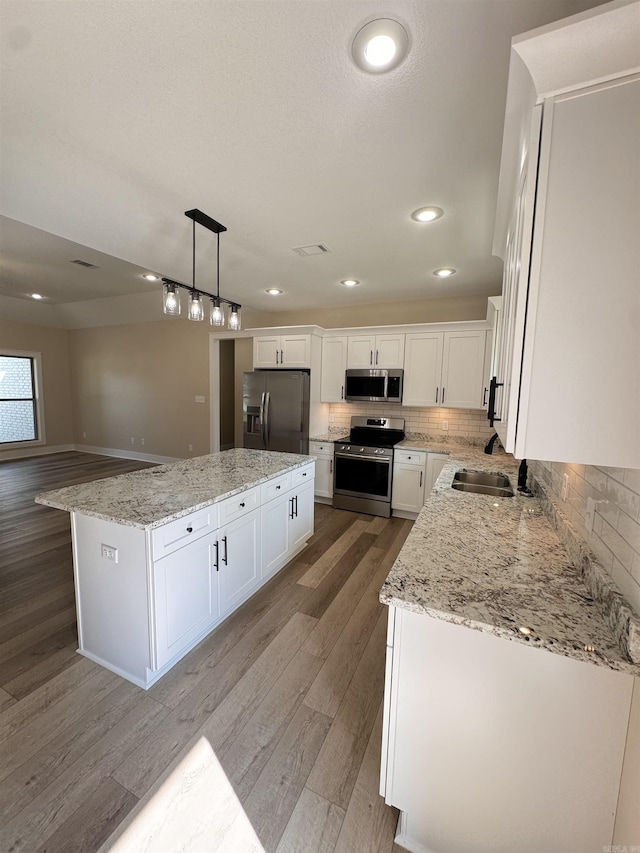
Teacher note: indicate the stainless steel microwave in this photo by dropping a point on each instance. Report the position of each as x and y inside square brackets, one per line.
[374, 386]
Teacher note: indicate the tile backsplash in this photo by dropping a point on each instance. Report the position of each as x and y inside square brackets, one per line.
[463, 423]
[615, 537]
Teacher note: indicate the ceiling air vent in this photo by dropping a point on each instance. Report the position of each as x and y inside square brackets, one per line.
[85, 264]
[316, 249]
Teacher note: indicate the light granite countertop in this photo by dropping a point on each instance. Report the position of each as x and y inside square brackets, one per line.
[155, 496]
[497, 565]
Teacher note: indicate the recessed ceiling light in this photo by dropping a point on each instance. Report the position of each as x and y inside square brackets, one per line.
[445, 272]
[427, 214]
[151, 276]
[350, 282]
[380, 45]
[36, 296]
[273, 291]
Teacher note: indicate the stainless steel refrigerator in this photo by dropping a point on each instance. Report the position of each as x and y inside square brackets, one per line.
[276, 410]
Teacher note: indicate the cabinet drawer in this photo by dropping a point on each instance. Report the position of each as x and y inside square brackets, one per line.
[238, 505]
[303, 475]
[317, 448]
[275, 487]
[182, 531]
[413, 457]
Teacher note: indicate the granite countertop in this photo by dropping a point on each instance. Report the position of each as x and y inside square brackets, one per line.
[497, 565]
[150, 498]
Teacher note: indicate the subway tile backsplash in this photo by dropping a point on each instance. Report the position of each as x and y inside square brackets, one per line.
[615, 537]
[463, 423]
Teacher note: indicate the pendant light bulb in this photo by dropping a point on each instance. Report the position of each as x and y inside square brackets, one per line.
[217, 313]
[196, 310]
[171, 300]
[234, 318]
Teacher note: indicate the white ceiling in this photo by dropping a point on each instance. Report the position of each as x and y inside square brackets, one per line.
[116, 117]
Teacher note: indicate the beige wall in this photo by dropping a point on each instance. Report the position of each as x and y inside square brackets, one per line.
[451, 309]
[140, 381]
[53, 343]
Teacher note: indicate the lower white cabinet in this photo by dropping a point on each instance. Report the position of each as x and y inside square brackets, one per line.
[409, 473]
[238, 560]
[287, 523]
[496, 745]
[323, 451]
[186, 600]
[162, 591]
[435, 464]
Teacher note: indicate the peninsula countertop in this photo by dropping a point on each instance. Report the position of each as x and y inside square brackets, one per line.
[497, 565]
[147, 499]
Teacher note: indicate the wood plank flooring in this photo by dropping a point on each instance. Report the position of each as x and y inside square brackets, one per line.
[265, 738]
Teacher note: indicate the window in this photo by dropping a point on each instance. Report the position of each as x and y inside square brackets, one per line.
[20, 411]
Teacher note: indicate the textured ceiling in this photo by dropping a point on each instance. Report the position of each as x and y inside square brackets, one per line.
[116, 117]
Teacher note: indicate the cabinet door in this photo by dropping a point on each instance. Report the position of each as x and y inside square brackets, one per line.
[423, 369]
[435, 464]
[463, 370]
[238, 560]
[295, 351]
[324, 477]
[266, 352]
[334, 364]
[360, 351]
[389, 351]
[302, 521]
[408, 487]
[185, 597]
[275, 534]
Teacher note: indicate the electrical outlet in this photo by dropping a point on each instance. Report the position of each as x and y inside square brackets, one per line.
[565, 486]
[445, 425]
[589, 514]
[142, 441]
[200, 399]
[133, 441]
[190, 448]
[109, 553]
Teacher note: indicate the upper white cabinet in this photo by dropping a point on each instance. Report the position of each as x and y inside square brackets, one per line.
[292, 351]
[375, 351]
[569, 346]
[445, 369]
[334, 364]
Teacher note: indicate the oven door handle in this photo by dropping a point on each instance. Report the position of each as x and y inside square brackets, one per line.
[368, 458]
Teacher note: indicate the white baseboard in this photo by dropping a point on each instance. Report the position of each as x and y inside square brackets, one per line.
[123, 454]
[40, 450]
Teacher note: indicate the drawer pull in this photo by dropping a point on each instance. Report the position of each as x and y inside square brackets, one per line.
[277, 487]
[189, 529]
[242, 505]
[304, 474]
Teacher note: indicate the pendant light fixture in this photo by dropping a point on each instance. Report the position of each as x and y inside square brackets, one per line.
[171, 288]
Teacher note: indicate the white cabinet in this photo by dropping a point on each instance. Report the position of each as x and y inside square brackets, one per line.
[323, 451]
[473, 761]
[409, 475]
[185, 596]
[444, 369]
[435, 464]
[287, 519]
[292, 351]
[375, 351]
[334, 364]
[238, 560]
[569, 346]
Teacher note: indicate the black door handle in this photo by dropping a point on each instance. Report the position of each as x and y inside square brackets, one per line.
[224, 559]
[491, 408]
[215, 565]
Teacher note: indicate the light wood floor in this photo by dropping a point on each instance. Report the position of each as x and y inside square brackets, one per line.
[265, 737]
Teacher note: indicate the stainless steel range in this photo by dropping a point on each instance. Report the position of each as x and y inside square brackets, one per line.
[363, 465]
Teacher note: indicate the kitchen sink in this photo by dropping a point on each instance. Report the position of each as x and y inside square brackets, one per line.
[482, 483]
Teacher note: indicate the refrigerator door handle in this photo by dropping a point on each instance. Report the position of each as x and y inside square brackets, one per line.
[267, 418]
[263, 425]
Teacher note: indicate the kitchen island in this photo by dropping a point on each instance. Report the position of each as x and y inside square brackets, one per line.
[508, 690]
[162, 556]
